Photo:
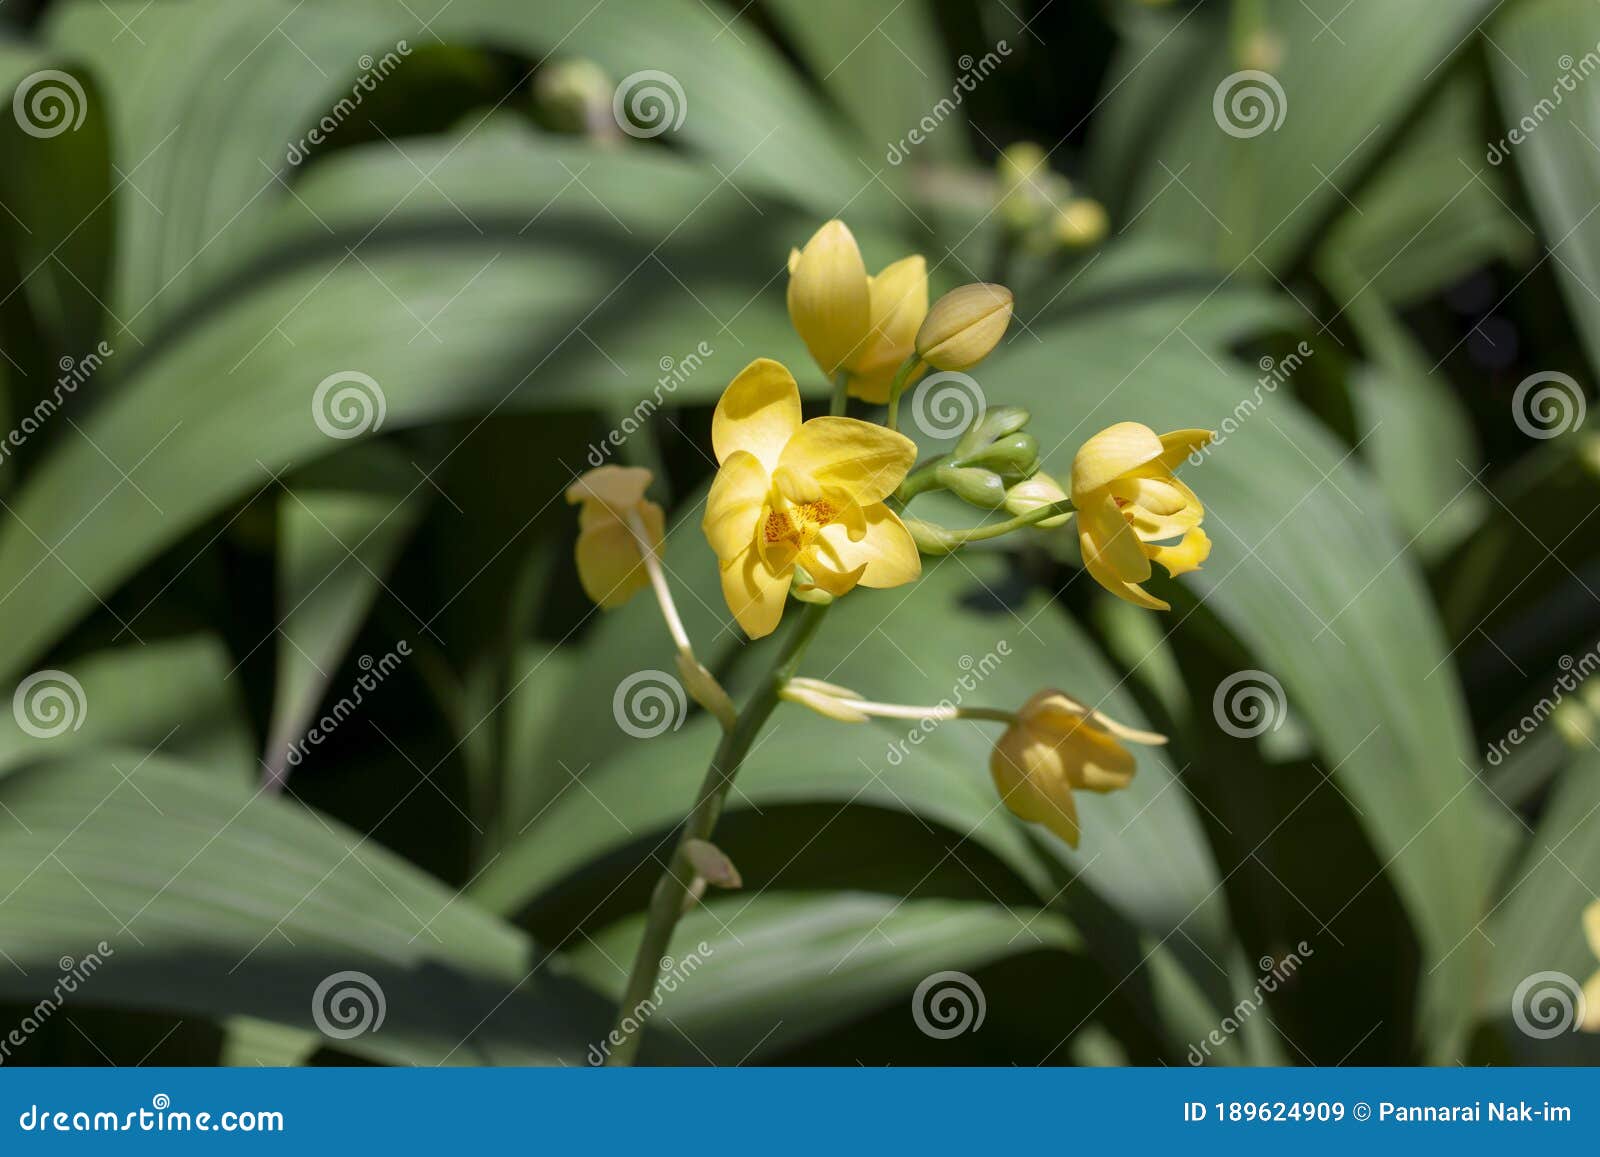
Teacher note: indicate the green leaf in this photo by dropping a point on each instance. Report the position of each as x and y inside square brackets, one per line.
[340, 528]
[217, 900]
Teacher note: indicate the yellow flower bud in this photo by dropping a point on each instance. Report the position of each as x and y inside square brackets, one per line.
[1081, 222]
[964, 326]
[1024, 185]
[1032, 493]
[830, 296]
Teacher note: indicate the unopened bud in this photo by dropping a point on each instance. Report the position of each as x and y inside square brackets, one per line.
[704, 689]
[574, 96]
[1015, 454]
[973, 484]
[964, 326]
[1082, 222]
[828, 699]
[711, 864]
[1030, 494]
[989, 425]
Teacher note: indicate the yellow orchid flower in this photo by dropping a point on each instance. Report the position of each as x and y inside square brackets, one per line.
[808, 494]
[1591, 987]
[1057, 745]
[865, 326]
[610, 565]
[1128, 499]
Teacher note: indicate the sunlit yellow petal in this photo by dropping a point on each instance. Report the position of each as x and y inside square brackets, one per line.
[1095, 761]
[898, 299]
[733, 508]
[1027, 774]
[1591, 926]
[886, 550]
[1178, 445]
[759, 413]
[1109, 542]
[1591, 1004]
[860, 460]
[874, 387]
[1132, 592]
[1187, 555]
[1111, 453]
[755, 595]
[829, 299]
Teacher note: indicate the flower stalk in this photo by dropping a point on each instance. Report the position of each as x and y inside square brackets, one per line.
[936, 540]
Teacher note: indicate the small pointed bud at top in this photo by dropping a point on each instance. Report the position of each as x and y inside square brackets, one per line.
[574, 96]
[964, 326]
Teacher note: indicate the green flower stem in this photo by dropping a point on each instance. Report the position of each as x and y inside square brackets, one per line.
[920, 480]
[840, 401]
[897, 387]
[934, 539]
[672, 890]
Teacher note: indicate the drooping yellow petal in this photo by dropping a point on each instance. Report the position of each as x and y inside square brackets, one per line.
[1058, 711]
[755, 594]
[1113, 452]
[610, 567]
[758, 413]
[1187, 555]
[1591, 926]
[733, 508]
[1029, 778]
[1109, 542]
[1591, 1004]
[1178, 445]
[884, 556]
[863, 461]
[829, 297]
[898, 301]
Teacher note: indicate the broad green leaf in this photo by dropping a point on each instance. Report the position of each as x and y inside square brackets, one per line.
[340, 528]
[172, 695]
[218, 900]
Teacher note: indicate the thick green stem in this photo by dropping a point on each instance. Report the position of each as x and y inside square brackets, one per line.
[672, 890]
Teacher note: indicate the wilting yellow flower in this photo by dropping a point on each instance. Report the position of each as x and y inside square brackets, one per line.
[807, 494]
[1129, 499]
[863, 325]
[1591, 988]
[1055, 746]
[964, 326]
[610, 566]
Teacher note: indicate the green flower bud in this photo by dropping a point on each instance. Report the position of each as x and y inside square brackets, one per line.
[989, 425]
[973, 484]
[1016, 454]
[1031, 493]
